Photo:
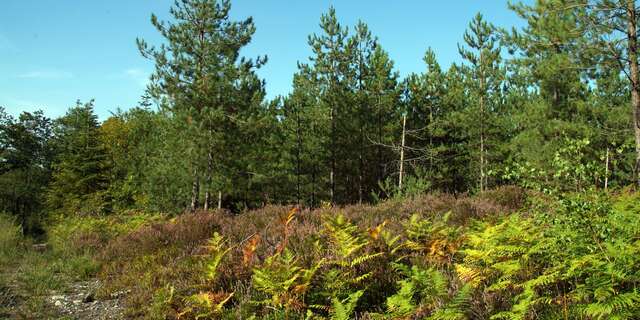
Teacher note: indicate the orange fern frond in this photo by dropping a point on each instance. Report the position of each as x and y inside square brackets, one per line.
[248, 251]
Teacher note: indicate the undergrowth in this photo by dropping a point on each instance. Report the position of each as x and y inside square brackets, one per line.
[522, 256]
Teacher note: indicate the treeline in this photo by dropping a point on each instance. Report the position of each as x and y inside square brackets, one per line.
[553, 106]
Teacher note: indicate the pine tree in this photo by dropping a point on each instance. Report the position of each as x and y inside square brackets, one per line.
[306, 123]
[424, 95]
[331, 67]
[549, 58]
[80, 170]
[383, 93]
[485, 79]
[611, 34]
[206, 87]
[363, 44]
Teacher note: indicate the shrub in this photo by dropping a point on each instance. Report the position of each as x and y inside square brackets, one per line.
[88, 234]
[10, 236]
[155, 256]
[278, 261]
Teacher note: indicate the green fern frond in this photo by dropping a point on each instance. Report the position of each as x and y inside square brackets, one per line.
[401, 304]
[283, 280]
[618, 305]
[343, 309]
[215, 247]
[456, 308]
[364, 258]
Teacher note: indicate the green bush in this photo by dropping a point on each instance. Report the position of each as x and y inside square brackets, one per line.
[10, 236]
[87, 234]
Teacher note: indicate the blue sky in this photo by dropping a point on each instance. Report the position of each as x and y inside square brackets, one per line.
[55, 52]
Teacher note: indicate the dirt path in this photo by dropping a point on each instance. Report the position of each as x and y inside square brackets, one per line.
[79, 301]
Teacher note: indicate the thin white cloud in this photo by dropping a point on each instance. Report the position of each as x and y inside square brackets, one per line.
[46, 74]
[134, 72]
[138, 75]
[22, 102]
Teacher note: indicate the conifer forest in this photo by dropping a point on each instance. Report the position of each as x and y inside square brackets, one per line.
[502, 186]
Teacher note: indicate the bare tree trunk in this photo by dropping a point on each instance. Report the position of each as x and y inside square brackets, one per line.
[482, 138]
[430, 137]
[313, 169]
[313, 188]
[362, 122]
[361, 167]
[207, 194]
[332, 181]
[298, 152]
[404, 126]
[380, 142]
[482, 159]
[195, 191]
[606, 171]
[632, 36]
[219, 199]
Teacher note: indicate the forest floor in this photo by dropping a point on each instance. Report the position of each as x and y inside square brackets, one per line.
[135, 265]
[79, 302]
[25, 294]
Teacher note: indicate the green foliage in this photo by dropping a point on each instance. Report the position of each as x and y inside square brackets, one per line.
[576, 262]
[550, 116]
[343, 309]
[89, 233]
[426, 292]
[79, 176]
[26, 153]
[421, 289]
[572, 169]
[456, 308]
[216, 253]
[283, 281]
[413, 185]
[206, 304]
[10, 238]
[347, 246]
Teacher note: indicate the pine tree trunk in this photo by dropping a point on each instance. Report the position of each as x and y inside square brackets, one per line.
[332, 181]
[195, 191]
[380, 164]
[361, 159]
[313, 168]
[606, 171]
[361, 170]
[313, 188]
[632, 36]
[362, 115]
[23, 216]
[298, 152]
[430, 131]
[482, 139]
[401, 175]
[207, 194]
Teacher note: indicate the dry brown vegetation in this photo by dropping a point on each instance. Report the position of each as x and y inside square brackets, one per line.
[168, 253]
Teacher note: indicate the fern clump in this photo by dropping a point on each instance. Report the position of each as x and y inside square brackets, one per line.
[346, 272]
[575, 257]
[435, 238]
[425, 293]
[283, 281]
[208, 303]
[579, 262]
